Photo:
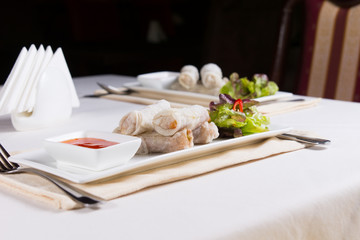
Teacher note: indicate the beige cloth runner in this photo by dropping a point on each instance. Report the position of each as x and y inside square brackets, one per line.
[284, 107]
[37, 189]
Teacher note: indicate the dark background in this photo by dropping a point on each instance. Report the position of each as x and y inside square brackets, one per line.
[111, 36]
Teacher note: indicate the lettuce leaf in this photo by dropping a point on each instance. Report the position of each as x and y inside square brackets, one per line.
[243, 88]
[235, 123]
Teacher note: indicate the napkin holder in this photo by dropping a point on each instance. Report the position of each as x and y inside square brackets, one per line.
[54, 96]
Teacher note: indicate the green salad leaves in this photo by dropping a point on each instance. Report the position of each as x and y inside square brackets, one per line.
[243, 88]
[236, 118]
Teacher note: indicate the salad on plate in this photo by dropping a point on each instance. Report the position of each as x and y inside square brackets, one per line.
[237, 117]
[244, 88]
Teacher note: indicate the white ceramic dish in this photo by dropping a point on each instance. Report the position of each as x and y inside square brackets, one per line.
[136, 86]
[158, 80]
[41, 160]
[91, 158]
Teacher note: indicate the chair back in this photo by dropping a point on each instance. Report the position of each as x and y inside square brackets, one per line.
[331, 49]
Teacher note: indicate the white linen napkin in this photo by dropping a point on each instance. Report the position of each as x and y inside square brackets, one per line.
[39, 80]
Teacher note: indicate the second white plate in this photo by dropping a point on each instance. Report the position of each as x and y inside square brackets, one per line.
[191, 97]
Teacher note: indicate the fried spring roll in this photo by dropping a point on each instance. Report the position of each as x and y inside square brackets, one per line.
[169, 121]
[205, 133]
[156, 143]
[140, 121]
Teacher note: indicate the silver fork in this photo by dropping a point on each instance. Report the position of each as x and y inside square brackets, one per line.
[8, 167]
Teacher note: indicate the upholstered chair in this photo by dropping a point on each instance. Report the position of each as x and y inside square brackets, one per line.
[330, 59]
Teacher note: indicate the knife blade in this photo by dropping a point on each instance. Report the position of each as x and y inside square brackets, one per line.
[304, 139]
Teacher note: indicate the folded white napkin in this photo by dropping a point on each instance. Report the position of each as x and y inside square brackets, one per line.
[38, 82]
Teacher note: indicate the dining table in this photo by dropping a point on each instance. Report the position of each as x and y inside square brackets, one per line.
[309, 193]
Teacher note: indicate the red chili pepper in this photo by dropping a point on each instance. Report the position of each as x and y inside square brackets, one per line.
[238, 103]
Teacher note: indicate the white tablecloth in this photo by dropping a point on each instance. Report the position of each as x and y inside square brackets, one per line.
[306, 194]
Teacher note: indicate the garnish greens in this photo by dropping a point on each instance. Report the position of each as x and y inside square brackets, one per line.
[243, 88]
[236, 118]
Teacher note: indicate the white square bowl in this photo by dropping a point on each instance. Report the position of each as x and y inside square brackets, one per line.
[89, 158]
[158, 80]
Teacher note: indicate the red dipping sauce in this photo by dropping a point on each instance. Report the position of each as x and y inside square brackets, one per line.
[94, 143]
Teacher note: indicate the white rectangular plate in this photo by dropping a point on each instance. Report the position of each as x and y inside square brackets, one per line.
[41, 160]
[188, 96]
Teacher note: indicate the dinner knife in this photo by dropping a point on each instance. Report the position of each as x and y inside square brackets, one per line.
[304, 139]
[110, 90]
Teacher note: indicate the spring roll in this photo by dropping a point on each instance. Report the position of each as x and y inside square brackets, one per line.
[205, 133]
[156, 143]
[211, 76]
[140, 121]
[189, 76]
[210, 67]
[169, 121]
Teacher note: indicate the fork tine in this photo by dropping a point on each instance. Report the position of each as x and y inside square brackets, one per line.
[3, 151]
[4, 155]
[4, 165]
